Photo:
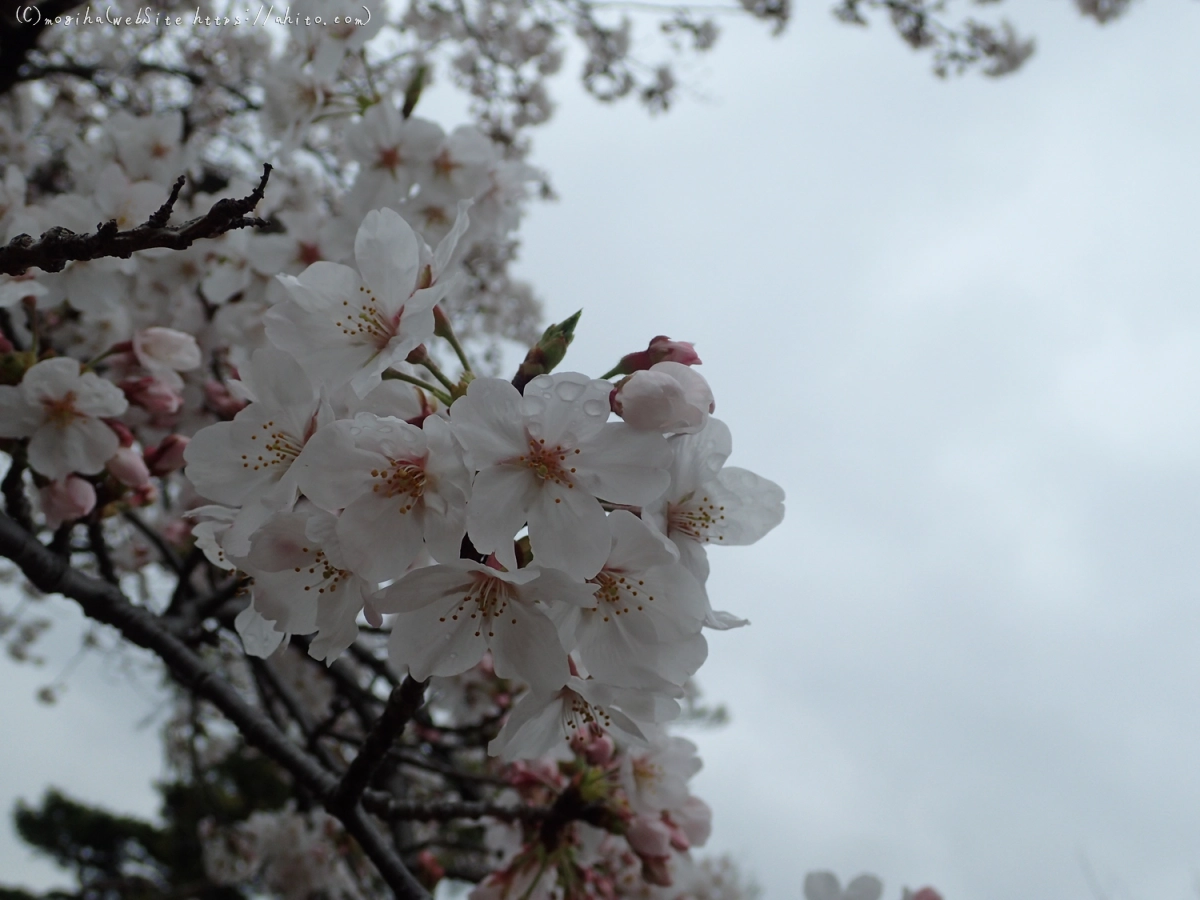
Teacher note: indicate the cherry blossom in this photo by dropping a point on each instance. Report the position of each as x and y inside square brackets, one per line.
[59, 408]
[544, 719]
[710, 503]
[643, 624]
[63, 501]
[347, 326]
[546, 459]
[448, 616]
[399, 488]
[302, 583]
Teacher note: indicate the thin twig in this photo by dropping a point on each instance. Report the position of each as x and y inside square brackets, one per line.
[165, 550]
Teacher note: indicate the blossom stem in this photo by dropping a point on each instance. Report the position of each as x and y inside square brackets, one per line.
[423, 385]
[443, 329]
[437, 373]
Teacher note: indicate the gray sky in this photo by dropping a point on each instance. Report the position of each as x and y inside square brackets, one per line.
[958, 323]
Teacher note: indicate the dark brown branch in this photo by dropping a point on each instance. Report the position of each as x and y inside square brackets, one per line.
[99, 548]
[58, 246]
[105, 603]
[403, 702]
[13, 488]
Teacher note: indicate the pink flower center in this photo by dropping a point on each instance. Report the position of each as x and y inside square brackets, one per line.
[308, 253]
[444, 164]
[547, 463]
[328, 577]
[390, 159]
[61, 411]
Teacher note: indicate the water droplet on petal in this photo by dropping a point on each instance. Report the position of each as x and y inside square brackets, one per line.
[569, 390]
[595, 407]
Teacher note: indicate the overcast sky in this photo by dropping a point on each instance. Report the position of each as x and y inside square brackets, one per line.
[959, 323]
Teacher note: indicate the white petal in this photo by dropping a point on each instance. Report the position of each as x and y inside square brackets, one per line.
[388, 253]
[259, 637]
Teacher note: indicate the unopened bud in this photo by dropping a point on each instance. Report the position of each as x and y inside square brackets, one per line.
[221, 400]
[167, 457]
[661, 349]
[548, 352]
[128, 467]
[121, 430]
[66, 500]
[152, 394]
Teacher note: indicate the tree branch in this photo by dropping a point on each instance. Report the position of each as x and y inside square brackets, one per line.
[106, 603]
[58, 246]
[403, 702]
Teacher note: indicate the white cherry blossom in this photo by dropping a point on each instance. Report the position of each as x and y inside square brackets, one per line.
[448, 616]
[302, 583]
[247, 463]
[544, 719]
[399, 488]
[710, 503]
[60, 410]
[644, 622]
[546, 459]
[655, 778]
[347, 326]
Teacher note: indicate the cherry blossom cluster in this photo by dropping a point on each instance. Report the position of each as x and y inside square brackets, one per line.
[535, 549]
[482, 519]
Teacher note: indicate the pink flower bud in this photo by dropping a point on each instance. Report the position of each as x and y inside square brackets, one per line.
[128, 467]
[166, 348]
[648, 836]
[661, 349]
[657, 870]
[668, 397]
[63, 501]
[152, 394]
[5, 345]
[143, 495]
[429, 867]
[121, 430]
[221, 400]
[177, 531]
[600, 751]
[926, 893]
[167, 456]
